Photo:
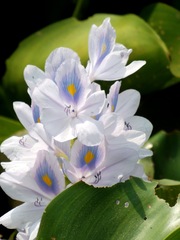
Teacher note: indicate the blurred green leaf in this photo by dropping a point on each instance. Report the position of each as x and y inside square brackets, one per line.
[173, 81]
[132, 31]
[166, 155]
[127, 210]
[13, 235]
[169, 193]
[9, 127]
[168, 182]
[165, 20]
[175, 235]
[148, 166]
[6, 107]
[164, 165]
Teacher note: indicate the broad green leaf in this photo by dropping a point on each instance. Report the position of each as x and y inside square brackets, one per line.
[174, 236]
[127, 210]
[9, 127]
[164, 165]
[165, 20]
[132, 31]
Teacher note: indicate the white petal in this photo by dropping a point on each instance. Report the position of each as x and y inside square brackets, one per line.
[73, 83]
[143, 153]
[67, 130]
[18, 166]
[128, 103]
[55, 121]
[47, 95]
[110, 69]
[118, 166]
[33, 230]
[90, 132]
[24, 113]
[47, 165]
[136, 137]
[93, 104]
[141, 124]
[56, 58]
[30, 232]
[138, 171]
[71, 172]
[101, 40]
[21, 188]
[87, 158]
[18, 148]
[33, 76]
[133, 67]
[62, 149]
[113, 125]
[22, 216]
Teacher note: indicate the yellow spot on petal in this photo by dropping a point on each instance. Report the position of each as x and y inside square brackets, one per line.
[112, 108]
[103, 49]
[38, 120]
[88, 157]
[71, 89]
[47, 180]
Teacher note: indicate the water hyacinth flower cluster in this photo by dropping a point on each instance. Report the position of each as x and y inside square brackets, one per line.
[74, 130]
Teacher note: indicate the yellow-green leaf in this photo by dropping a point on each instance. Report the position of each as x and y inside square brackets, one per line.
[165, 20]
[132, 31]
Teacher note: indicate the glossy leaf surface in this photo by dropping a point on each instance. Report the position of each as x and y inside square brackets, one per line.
[132, 31]
[127, 210]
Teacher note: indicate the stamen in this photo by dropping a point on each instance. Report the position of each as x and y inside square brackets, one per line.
[67, 109]
[97, 177]
[22, 141]
[128, 126]
[70, 111]
[37, 203]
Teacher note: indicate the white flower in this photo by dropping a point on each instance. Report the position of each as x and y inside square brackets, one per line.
[125, 105]
[108, 59]
[36, 186]
[102, 165]
[34, 76]
[73, 129]
[68, 105]
[27, 115]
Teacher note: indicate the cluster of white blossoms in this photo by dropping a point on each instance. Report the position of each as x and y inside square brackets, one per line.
[74, 130]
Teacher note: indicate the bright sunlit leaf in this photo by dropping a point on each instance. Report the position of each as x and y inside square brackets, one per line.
[131, 30]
